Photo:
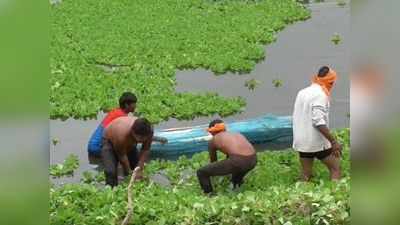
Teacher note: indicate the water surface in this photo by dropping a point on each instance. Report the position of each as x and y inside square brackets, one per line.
[300, 50]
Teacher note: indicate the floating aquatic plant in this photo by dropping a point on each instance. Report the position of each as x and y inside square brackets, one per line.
[152, 39]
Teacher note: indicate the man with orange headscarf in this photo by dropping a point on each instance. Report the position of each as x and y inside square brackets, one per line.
[241, 156]
[311, 135]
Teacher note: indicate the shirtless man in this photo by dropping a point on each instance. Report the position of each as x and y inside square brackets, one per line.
[119, 145]
[241, 156]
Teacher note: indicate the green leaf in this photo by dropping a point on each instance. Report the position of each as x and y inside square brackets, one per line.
[116, 46]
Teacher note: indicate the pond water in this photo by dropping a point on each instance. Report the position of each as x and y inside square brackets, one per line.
[299, 51]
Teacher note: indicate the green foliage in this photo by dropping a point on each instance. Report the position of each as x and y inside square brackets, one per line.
[66, 168]
[101, 48]
[336, 39]
[277, 82]
[252, 84]
[55, 141]
[91, 178]
[271, 194]
[88, 177]
[341, 3]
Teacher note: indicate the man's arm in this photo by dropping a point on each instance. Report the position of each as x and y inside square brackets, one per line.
[144, 153]
[324, 130]
[319, 120]
[123, 158]
[336, 148]
[212, 151]
[162, 140]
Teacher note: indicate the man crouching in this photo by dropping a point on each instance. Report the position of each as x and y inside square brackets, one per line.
[241, 156]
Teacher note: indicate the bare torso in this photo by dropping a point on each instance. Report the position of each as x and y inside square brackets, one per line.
[233, 144]
[119, 133]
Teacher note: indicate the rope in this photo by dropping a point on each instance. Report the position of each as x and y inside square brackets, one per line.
[130, 203]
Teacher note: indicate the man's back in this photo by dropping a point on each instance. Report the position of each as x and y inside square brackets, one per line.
[112, 115]
[233, 144]
[119, 131]
[95, 141]
[311, 109]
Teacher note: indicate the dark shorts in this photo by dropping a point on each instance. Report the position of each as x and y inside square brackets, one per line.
[110, 161]
[236, 165]
[319, 155]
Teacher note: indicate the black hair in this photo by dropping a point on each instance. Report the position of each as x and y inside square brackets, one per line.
[127, 98]
[142, 127]
[212, 123]
[323, 71]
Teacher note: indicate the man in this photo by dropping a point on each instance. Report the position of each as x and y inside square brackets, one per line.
[127, 104]
[241, 156]
[119, 145]
[311, 135]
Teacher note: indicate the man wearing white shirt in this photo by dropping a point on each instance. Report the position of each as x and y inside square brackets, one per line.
[311, 135]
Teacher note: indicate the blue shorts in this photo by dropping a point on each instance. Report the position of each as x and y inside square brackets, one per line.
[95, 141]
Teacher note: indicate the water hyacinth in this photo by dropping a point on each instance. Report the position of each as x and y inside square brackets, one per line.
[100, 49]
[271, 194]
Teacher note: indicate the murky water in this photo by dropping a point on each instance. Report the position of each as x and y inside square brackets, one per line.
[298, 53]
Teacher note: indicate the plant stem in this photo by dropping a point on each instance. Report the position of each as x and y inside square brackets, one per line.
[130, 204]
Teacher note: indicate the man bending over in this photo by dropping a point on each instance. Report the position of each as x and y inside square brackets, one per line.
[119, 146]
[241, 156]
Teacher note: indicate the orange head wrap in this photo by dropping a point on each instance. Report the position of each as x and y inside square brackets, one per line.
[219, 127]
[326, 82]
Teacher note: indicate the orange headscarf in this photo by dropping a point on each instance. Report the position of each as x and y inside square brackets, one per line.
[326, 82]
[219, 127]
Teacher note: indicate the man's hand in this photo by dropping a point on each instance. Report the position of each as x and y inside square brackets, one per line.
[139, 174]
[336, 149]
[212, 151]
[163, 140]
[125, 164]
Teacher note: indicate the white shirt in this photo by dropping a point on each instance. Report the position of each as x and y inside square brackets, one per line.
[311, 109]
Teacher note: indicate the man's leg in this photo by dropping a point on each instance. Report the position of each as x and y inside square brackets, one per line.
[133, 157]
[110, 163]
[246, 164]
[220, 168]
[333, 164]
[237, 179]
[306, 166]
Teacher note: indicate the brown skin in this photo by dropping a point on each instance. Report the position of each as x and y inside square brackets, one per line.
[336, 147]
[229, 144]
[162, 140]
[143, 154]
[120, 133]
[332, 162]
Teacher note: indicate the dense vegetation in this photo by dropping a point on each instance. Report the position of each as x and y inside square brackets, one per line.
[100, 48]
[270, 195]
[66, 168]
